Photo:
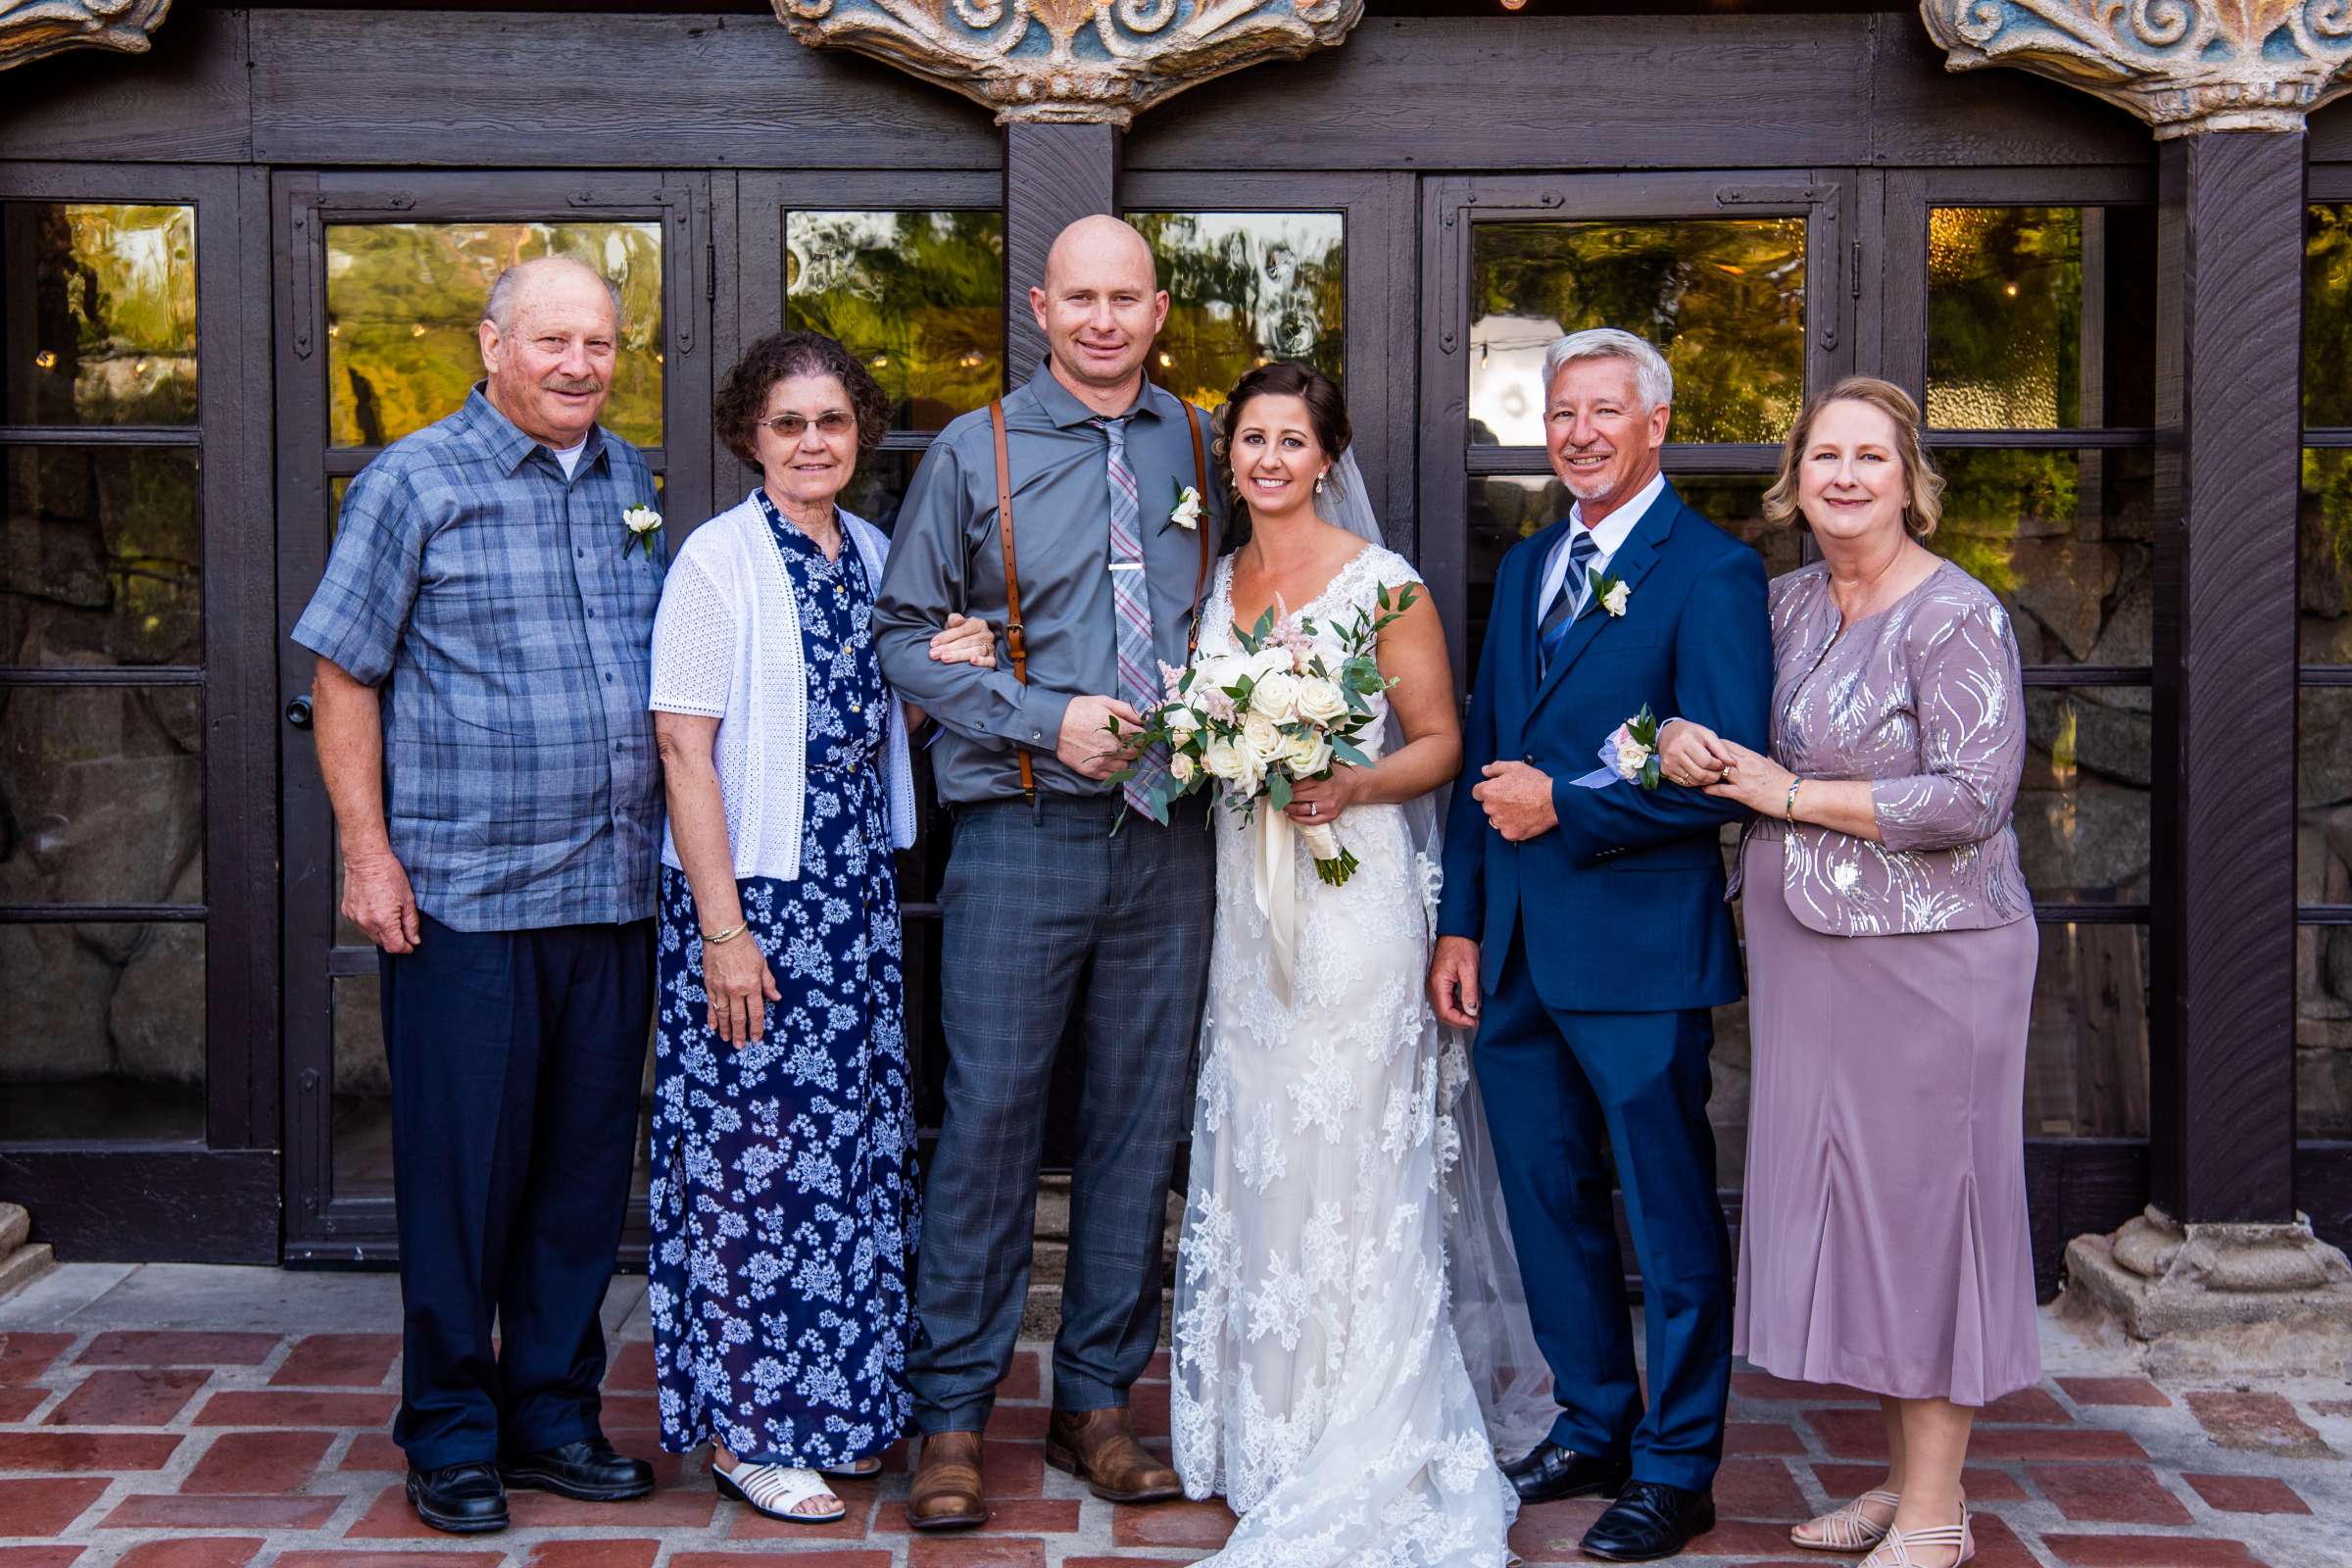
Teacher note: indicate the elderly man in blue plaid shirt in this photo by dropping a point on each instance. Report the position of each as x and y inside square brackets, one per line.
[482, 636]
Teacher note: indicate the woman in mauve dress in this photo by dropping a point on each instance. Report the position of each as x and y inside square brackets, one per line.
[1890, 950]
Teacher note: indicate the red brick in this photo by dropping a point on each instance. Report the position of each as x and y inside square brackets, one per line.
[1023, 1380]
[2009, 1444]
[17, 1402]
[38, 1556]
[154, 1511]
[25, 1356]
[968, 1551]
[2247, 1494]
[1761, 1436]
[338, 1557]
[857, 1499]
[200, 1551]
[1548, 1532]
[374, 1451]
[2257, 1423]
[594, 1554]
[2332, 1407]
[134, 1398]
[1170, 1524]
[632, 1367]
[2033, 1407]
[255, 1407]
[257, 1462]
[1031, 1516]
[45, 1507]
[338, 1361]
[176, 1347]
[2147, 1551]
[663, 1510]
[1845, 1481]
[2109, 1494]
[85, 1450]
[2115, 1391]
[1008, 1421]
[773, 1560]
[1759, 1489]
[1148, 1409]
[1764, 1386]
[1998, 1546]
[1010, 1470]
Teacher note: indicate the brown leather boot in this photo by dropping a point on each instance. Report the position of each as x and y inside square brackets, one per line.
[946, 1492]
[1099, 1447]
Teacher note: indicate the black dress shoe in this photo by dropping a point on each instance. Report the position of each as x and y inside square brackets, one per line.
[461, 1500]
[587, 1470]
[1551, 1472]
[1649, 1520]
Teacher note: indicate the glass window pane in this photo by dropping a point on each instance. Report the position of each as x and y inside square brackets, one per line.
[918, 296]
[2086, 1048]
[1724, 298]
[2324, 798]
[101, 795]
[2327, 316]
[97, 314]
[2327, 549]
[101, 557]
[360, 1142]
[2037, 318]
[2324, 1030]
[1245, 288]
[2068, 541]
[105, 1037]
[2083, 806]
[403, 301]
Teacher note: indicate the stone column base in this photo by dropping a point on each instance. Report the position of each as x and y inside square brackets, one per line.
[22, 1261]
[2210, 1300]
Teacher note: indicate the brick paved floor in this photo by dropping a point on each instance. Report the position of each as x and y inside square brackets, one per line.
[188, 1418]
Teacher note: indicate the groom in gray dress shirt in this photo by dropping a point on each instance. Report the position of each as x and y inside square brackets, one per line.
[1047, 911]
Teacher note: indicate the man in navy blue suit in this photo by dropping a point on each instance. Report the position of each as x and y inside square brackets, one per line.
[1591, 921]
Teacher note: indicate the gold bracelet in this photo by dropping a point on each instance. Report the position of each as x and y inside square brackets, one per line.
[1789, 810]
[711, 939]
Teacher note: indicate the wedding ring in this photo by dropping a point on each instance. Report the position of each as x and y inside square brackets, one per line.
[1314, 809]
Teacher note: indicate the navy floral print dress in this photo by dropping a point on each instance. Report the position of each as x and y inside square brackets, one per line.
[783, 1194]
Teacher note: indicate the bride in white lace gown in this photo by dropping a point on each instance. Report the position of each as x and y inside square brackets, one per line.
[1319, 1384]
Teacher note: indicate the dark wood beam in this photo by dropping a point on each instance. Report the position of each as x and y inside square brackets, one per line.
[2230, 407]
[1054, 175]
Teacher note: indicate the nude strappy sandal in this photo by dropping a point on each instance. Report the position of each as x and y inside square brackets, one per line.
[1895, 1552]
[1846, 1529]
[774, 1491]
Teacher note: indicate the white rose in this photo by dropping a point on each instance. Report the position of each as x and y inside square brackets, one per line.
[1181, 767]
[1224, 759]
[1614, 600]
[641, 519]
[1307, 754]
[1182, 722]
[1631, 755]
[1261, 739]
[1187, 513]
[1273, 658]
[1218, 673]
[1276, 695]
[1320, 700]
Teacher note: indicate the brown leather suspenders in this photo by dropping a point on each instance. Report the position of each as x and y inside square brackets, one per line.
[1015, 640]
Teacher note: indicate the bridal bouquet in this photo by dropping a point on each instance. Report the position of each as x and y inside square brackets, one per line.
[1258, 720]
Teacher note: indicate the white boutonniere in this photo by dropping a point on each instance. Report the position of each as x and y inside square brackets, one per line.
[1186, 514]
[1612, 594]
[642, 523]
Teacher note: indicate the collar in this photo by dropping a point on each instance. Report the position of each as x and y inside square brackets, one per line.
[507, 442]
[1061, 405]
[1612, 533]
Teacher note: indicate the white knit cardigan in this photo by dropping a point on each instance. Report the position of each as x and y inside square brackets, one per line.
[727, 646]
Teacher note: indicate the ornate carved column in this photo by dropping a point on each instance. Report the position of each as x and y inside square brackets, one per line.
[31, 29]
[2222, 1268]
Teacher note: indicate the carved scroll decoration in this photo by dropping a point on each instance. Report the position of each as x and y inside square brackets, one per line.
[33, 28]
[1100, 61]
[2182, 66]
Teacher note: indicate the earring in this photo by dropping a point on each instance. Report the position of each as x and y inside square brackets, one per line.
[1318, 484]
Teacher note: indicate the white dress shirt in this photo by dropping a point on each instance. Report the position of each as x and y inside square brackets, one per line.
[1609, 534]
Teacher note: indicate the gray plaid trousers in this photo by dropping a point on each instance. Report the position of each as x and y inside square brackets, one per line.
[1047, 911]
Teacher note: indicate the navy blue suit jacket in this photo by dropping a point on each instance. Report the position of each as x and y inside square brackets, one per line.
[1621, 904]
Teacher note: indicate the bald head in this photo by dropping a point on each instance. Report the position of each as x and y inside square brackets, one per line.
[550, 338]
[525, 282]
[1100, 309]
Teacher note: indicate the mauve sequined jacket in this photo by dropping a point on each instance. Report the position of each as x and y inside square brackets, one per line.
[1923, 699]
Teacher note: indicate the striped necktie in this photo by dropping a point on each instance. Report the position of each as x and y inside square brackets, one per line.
[1562, 612]
[1131, 597]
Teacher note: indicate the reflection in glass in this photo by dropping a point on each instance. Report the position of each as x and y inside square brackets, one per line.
[918, 296]
[2037, 318]
[2327, 316]
[404, 300]
[2324, 1029]
[2067, 539]
[100, 556]
[101, 795]
[2324, 795]
[879, 485]
[2086, 1048]
[1245, 288]
[105, 1037]
[97, 314]
[362, 1137]
[2082, 804]
[1723, 299]
[2326, 593]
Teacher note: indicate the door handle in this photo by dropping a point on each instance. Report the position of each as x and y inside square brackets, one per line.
[298, 711]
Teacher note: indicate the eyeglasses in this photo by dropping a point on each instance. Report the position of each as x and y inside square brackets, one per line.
[792, 426]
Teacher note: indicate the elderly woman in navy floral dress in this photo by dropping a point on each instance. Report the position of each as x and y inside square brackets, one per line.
[783, 1194]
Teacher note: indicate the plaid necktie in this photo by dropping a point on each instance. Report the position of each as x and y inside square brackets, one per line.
[1562, 613]
[1131, 595]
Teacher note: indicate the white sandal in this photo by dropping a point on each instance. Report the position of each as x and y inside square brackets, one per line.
[1896, 1551]
[774, 1491]
[864, 1469]
[1847, 1529]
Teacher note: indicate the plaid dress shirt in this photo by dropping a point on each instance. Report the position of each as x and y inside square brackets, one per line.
[487, 596]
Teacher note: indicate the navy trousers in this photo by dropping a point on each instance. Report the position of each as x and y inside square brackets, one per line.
[1561, 1090]
[1046, 910]
[516, 1061]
